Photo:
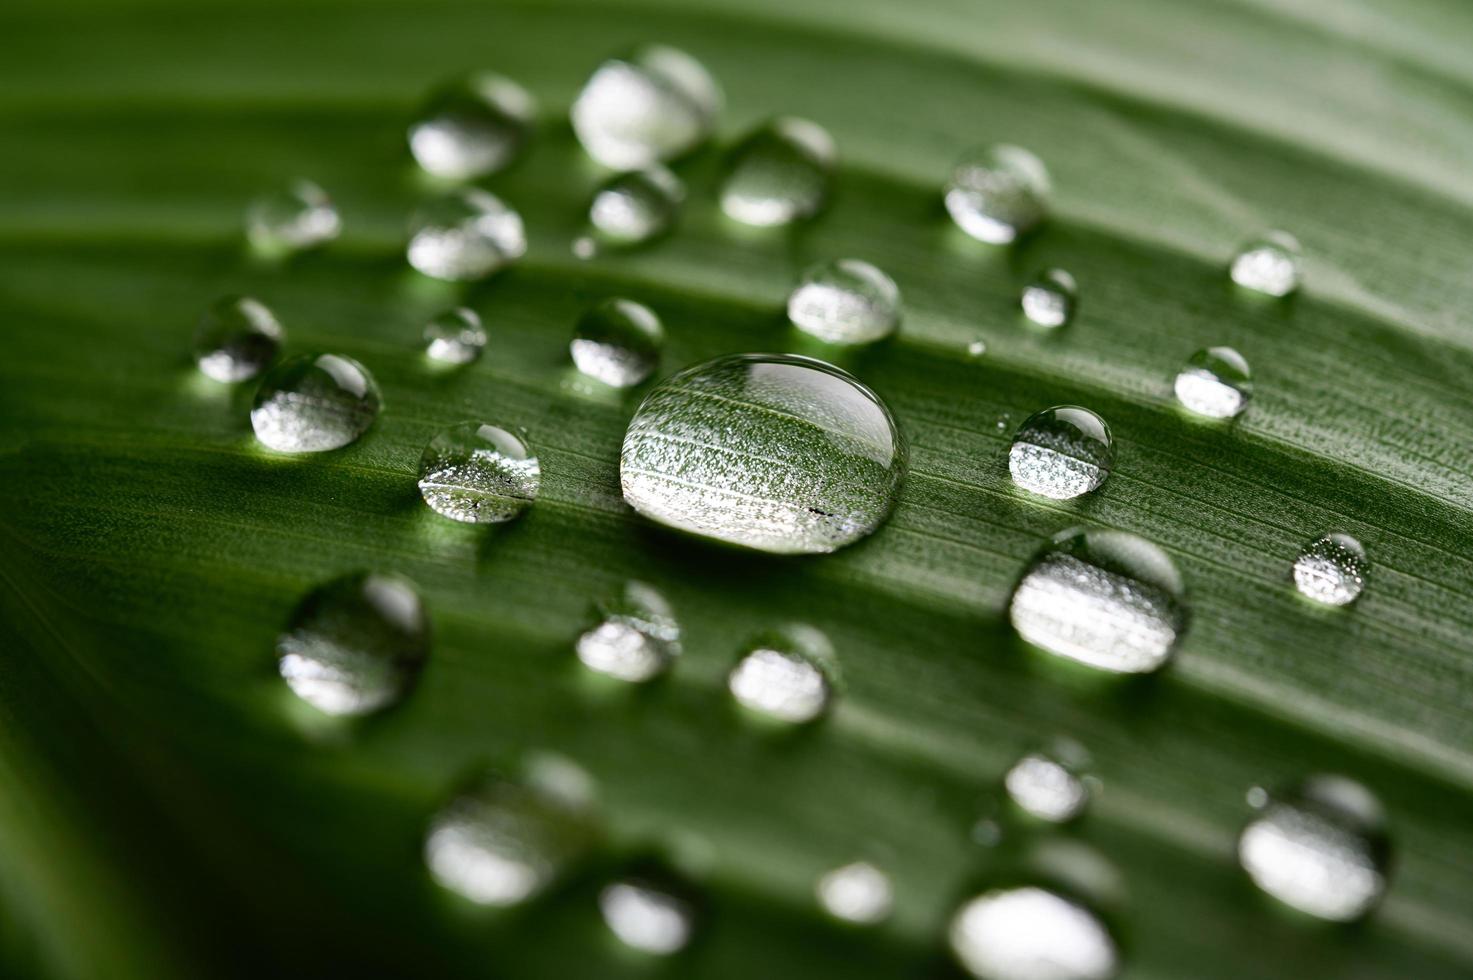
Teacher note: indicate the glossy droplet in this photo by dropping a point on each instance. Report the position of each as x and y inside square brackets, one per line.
[646, 917]
[998, 193]
[776, 452]
[1320, 847]
[635, 207]
[314, 402]
[1106, 599]
[779, 174]
[636, 639]
[652, 105]
[1061, 452]
[1215, 382]
[237, 337]
[355, 645]
[845, 302]
[455, 337]
[618, 342]
[466, 234]
[859, 893]
[977, 347]
[301, 216]
[472, 127]
[1049, 783]
[1050, 299]
[478, 474]
[1331, 569]
[784, 675]
[1030, 933]
[1268, 264]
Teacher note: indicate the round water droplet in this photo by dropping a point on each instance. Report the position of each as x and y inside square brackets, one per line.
[635, 207]
[998, 193]
[472, 127]
[845, 302]
[618, 342]
[455, 337]
[1268, 264]
[1061, 452]
[1050, 299]
[652, 105]
[355, 645]
[859, 893]
[977, 347]
[776, 452]
[637, 637]
[1331, 569]
[1107, 599]
[1215, 382]
[779, 173]
[1031, 933]
[236, 339]
[314, 402]
[1049, 783]
[647, 917]
[785, 675]
[478, 474]
[1320, 847]
[299, 217]
[466, 234]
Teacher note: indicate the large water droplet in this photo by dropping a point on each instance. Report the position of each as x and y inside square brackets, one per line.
[635, 207]
[1049, 300]
[776, 452]
[1331, 569]
[472, 127]
[314, 402]
[1268, 264]
[237, 337]
[355, 645]
[779, 173]
[845, 302]
[1030, 933]
[646, 916]
[1049, 783]
[1061, 452]
[652, 105]
[1107, 599]
[466, 234]
[455, 336]
[618, 342]
[301, 216]
[1320, 847]
[785, 674]
[998, 193]
[478, 474]
[637, 637]
[1215, 382]
[860, 893]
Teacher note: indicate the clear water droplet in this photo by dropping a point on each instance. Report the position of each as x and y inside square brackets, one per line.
[1215, 382]
[652, 105]
[355, 645]
[1320, 847]
[859, 893]
[1268, 264]
[1331, 569]
[314, 402]
[1050, 783]
[478, 474]
[1031, 933]
[785, 674]
[776, 452]
[1061, 452]
[300, 216]
[464, 235]
[977, 347]
[986, 833]
[472, 127]
[647, 917]
[237, 337]
[637, 637]
[455, 336]
[1106, 599]
[618, 342]
[1049, 300]
[845, 301]
[779, 174]
[998, 193]
[637, 206]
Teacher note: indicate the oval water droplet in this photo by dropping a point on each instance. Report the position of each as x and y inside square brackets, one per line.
[779, 173]
[1106, 599]
[637, 637]
[1049, 783]
[1331, 569]
[1031, 933]
[618, 342]
[298, 217]
[464, 235]
[654, 104]
[237, 337]
[1268, 264]
[314, 402]
[1061, 452]
[1215, 382]
[646, 916]
[785, 674]
[1049, 300]
[977, 347]
[845, 301]
[478, 474]
[638, 206]
[859, 893]
[776, 452]
[472, 127]
[355, 645]
[455, 336]
[998, 193]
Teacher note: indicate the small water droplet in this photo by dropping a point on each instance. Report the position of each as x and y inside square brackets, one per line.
[779, 173]
[785, 674]
[1002, 421]
[987, 833]
[654, 104]
[646, 917]
[1050, 783]
[1331, 569]
[584, 247]
[478, 474]
[1215, 382]
[1320, 847]
[776, 452]
[472, 127]
[860, 893]
[638, 206]
[1107, 599]
[1257, 797]
[237, 337]
[977, 347]
[455, 336]
[845, 301]
[1031, 933]
[1049, 300]
[1268, 264]
[637, 637]
[466, 234]
[1061, 452]
[618, 342]
[314, 402]
[301, 216]
[355, 645]
[998, 193]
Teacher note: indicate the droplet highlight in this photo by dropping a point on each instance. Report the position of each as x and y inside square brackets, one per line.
[646, 917]
[998, 193]
[1031, 933]
[455, 337]
[638, 206]
[236, 339]
[785, 675]
[779, 174]
[618, 342]
[298, 217]
[1331, 569]
[846, 301]
[1215, 382]
[472, 127]
[652, 105]
[1268, 264]
[859, 893]
[637, 637]
[478, 474]
[1061, 452]
[1050, 299]
[1049, 783]
[465, 235]
[313, 403]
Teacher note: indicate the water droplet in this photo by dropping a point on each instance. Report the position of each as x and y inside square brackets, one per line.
[1321, 847]
[466, 234]
[355, 644]
[472, 127]
[1030, 933]
[977, 347]
[860, 893]
[1061, 452]
[652, 105]
[314, 402]
[646, 917]
[455, 337]
[478, 474]
[618, 342]
[237, 337]
[845, 302]
[635, 207]
[1049, 783]
[998, 193]
[1107, 599]
[987, 833]
[1268, 264]
[776, 452]
[779, 173]
[299, 217]
[1049, 300]
[1215, 382]
[637, 637]
[1331, 569]
[785, 674]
